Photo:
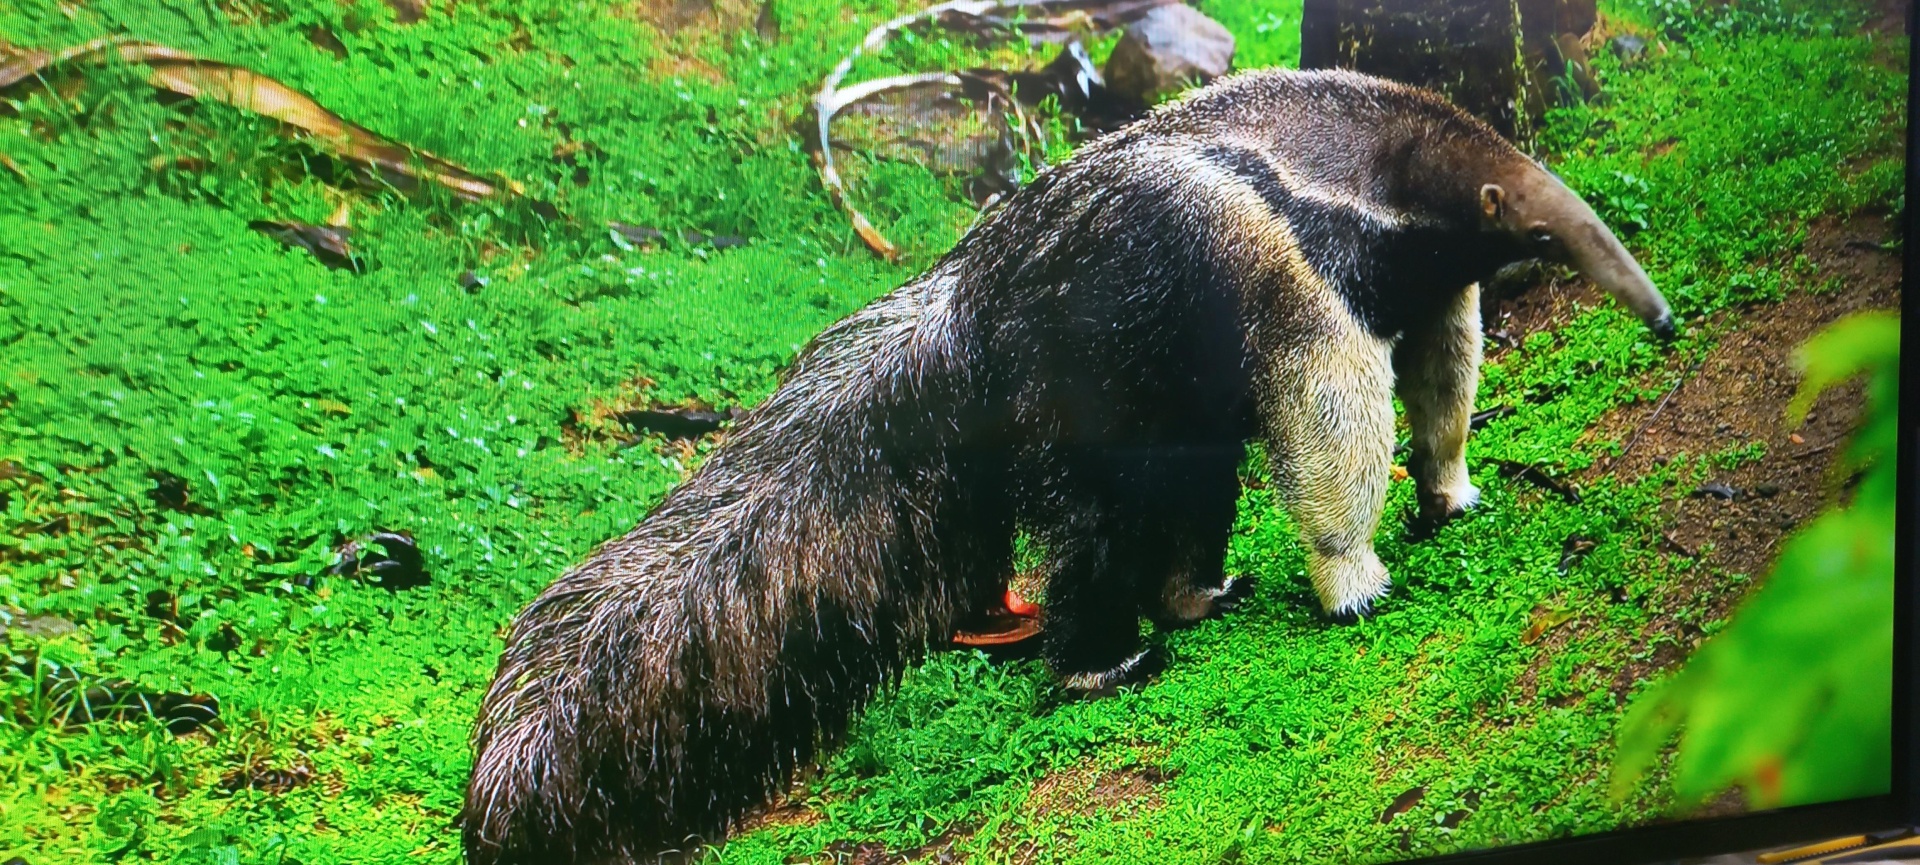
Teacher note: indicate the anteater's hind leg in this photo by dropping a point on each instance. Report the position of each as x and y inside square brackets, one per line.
[1438, 367]
[1194, 495]
[1102, 547]
[1092, 626]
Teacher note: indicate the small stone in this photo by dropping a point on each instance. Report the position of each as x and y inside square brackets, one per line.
[1717, 490]
[1629, 47]
[1796, 439]
[34, 626]
[1767, 491]
[1166, 50]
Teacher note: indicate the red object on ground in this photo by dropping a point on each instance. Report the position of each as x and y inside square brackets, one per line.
[1014, 620]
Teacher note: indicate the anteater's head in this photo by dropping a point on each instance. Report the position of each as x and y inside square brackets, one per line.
[1530, 211]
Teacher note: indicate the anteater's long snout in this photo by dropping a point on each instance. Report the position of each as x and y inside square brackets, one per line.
[1598, 254]
[1593, 250]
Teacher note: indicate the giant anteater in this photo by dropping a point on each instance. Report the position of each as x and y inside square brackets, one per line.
[1274, 255]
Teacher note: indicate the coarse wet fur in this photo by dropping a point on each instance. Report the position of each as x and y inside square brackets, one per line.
[1273, 256]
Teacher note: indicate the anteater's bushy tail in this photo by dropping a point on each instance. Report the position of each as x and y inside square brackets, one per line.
[678, 677]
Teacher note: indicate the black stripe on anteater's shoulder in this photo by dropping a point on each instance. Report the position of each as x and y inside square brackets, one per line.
[1387, 271]
[1335, 239]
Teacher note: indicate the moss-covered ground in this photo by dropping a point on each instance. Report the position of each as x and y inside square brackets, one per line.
[193, 416]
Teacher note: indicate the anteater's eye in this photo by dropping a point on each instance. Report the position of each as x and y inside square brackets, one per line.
[1540, 236]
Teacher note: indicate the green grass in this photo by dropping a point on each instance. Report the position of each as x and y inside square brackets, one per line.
[144, 328]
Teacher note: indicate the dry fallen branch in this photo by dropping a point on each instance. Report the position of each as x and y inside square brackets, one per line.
[1535, 475]
[1054, 20]
[179, 72]
[829, 103]
[1053, 17]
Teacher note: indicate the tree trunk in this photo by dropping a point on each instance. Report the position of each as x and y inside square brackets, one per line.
[1502, 60]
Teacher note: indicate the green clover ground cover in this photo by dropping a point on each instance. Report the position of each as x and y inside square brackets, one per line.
[144, 329]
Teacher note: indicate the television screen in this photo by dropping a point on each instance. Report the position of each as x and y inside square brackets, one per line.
[768, 431]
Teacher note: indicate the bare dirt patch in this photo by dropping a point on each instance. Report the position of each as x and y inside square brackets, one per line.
[1735, 521]
[776, 816]
[1739, 395]
[695, 27]
[1083, 791]
[1888, 18]
[1510, 310]
[672, 16]
[939, 851]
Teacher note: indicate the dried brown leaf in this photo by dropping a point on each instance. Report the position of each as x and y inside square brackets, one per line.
[408, 11]
[1403, 803]
[1544, 620]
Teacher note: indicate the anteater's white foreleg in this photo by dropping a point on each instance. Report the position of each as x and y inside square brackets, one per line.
[1328, 412]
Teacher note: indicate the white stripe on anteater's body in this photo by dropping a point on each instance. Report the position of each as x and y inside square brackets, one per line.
[1258, 259]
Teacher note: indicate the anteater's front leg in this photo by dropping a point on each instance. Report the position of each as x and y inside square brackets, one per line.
[1327, 406]
[1438, 366]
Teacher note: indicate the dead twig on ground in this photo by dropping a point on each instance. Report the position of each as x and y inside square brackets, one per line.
[1538, 477]
[1474, 422]
[1657, 410]
[1816, 451]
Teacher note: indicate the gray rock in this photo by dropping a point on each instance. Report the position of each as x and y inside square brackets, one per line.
[1167, 50]
[1716, 490]
[1629, 47]
[12, 622]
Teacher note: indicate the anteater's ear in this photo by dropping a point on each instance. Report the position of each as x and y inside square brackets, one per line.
[1493, 201]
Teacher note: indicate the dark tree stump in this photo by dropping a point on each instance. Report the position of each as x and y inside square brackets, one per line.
[1500, 59]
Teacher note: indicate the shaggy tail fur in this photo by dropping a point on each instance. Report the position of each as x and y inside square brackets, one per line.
[679, 676]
